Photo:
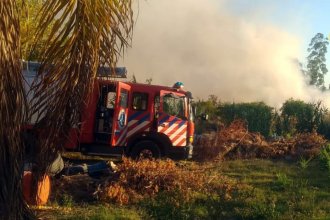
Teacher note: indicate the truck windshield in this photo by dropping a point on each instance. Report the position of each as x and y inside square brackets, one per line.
[174, 105]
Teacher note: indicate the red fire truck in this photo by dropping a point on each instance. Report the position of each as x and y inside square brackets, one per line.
[135, 119]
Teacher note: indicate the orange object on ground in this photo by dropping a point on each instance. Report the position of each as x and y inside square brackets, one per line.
[43, 189]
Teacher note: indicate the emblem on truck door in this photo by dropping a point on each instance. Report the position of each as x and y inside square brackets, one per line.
[121, 118]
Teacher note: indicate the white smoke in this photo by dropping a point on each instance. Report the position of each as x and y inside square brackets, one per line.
[213, 52]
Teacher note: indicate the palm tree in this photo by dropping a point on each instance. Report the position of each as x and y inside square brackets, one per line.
[12, 115]
[84, 35]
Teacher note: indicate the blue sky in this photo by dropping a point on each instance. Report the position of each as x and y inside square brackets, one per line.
[303, 18]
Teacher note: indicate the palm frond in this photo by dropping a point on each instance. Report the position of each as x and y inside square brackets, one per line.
[84, 35]
[12, 115]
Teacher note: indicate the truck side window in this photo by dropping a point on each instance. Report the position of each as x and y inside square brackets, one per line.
[123, 98]
[157, 104]
[140, 101]
[111, 98]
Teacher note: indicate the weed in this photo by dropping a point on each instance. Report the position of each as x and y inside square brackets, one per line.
[304, 163]
[282, 181]
[66, 200]
[100, 212]
[264, 210]
[325, 157]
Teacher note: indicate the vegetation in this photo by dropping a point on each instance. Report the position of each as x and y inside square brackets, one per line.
[71, 38]
[325, 158]
[298, 116]
[295, 116]
[258, 115]
[282, 189]
[85, 35]
[236, 142]
[30, 47]
[246, 189]
[91, 211]
[12, 115]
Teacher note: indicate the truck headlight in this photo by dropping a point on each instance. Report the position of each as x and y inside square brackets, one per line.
[191, 139]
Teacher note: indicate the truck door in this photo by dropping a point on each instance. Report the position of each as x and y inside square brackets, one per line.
[172, 117]
[120, 117]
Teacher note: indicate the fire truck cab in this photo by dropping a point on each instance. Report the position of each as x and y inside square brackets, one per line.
[136, 120]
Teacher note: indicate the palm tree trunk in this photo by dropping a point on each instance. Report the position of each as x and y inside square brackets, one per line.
[12, 115]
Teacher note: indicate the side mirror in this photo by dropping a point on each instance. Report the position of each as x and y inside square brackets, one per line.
[204, 116]
[194, 110]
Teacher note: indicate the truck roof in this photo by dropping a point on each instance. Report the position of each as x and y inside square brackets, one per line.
[142, 87]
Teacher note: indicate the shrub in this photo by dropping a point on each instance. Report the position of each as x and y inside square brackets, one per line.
[325, 157]
[298, 116]
[324, 127]
[282, 181]
[304, 163]
[210, 108]
[258, 115]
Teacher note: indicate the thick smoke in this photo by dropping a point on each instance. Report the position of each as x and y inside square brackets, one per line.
[212, 52]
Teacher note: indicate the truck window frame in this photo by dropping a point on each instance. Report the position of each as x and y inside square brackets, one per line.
[144, 97]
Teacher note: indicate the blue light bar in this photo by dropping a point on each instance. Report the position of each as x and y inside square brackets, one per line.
[117, 72]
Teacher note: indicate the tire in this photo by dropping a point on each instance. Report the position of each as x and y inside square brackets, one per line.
[145, 150]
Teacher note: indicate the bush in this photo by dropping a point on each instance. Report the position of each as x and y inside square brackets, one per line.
[258, 115]
[325, 157]
[298, 116]
[210, 108]
[324, 127]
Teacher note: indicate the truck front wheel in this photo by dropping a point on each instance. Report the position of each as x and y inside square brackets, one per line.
[145, 149]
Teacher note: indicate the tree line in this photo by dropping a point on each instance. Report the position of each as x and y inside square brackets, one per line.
[295, 116]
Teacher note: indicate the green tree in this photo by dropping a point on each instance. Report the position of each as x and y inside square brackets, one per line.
[84, 34]
[316, 67]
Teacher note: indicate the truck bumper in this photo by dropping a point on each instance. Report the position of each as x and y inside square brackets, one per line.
[181, 152]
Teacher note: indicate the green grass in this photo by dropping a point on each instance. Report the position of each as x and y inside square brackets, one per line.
[284, 189]
[92, 212]
[269, 189]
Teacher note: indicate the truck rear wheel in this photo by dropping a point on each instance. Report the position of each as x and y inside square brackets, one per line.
[145, 149]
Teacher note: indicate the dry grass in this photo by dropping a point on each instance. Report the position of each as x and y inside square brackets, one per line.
[138, 180]
[236, 142]
[146, 178]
